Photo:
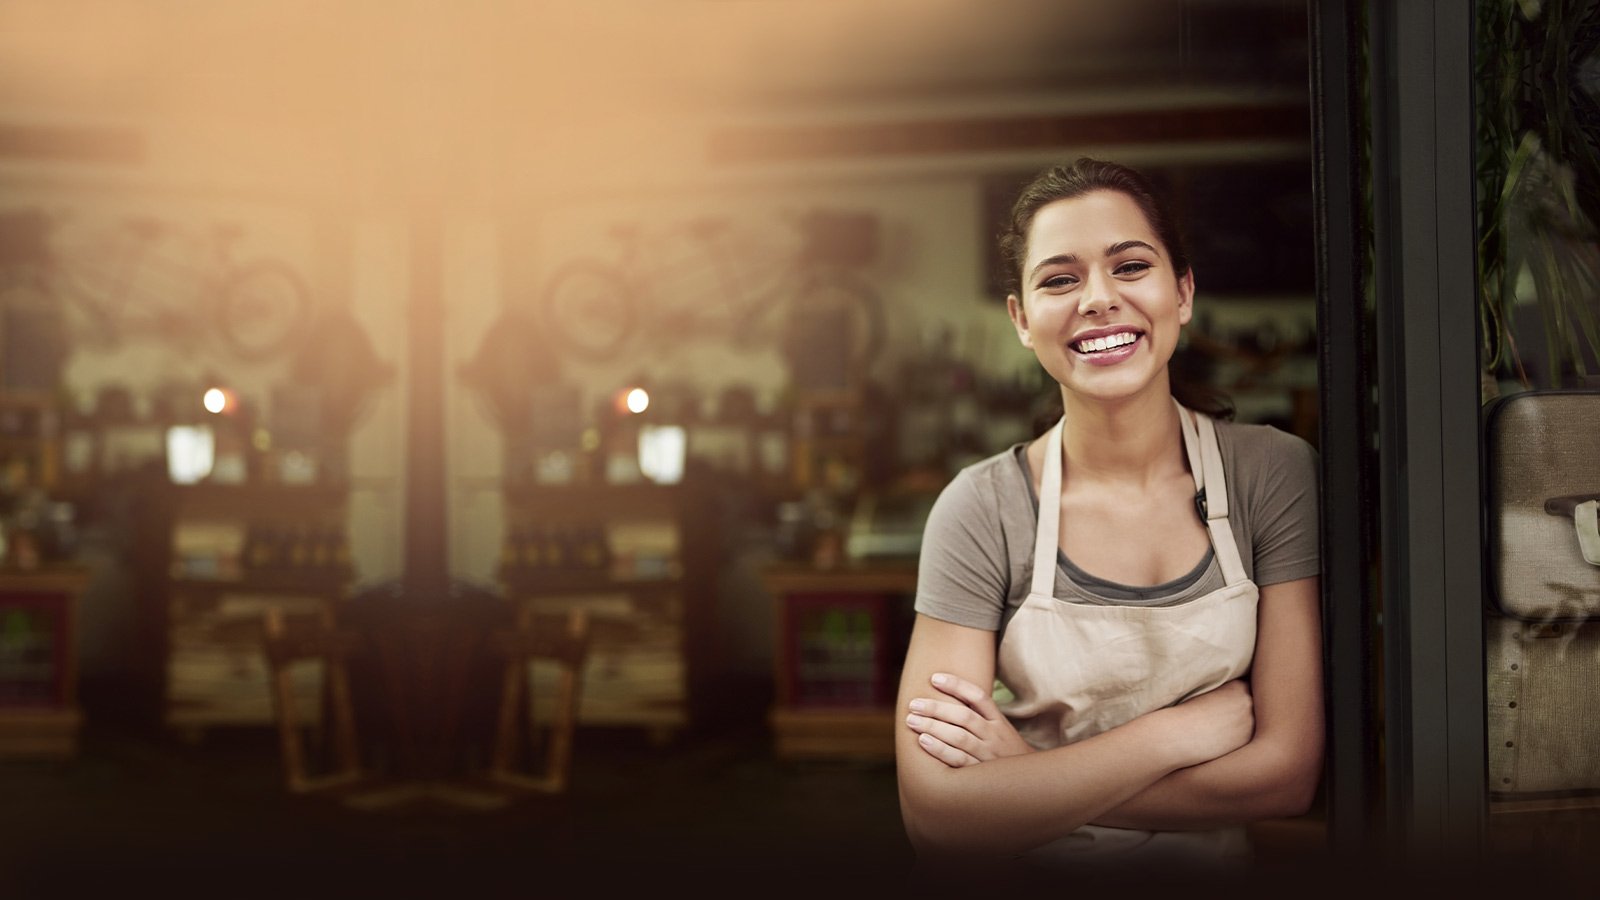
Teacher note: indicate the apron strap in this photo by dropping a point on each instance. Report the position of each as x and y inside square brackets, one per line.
[1205, 461]
[1222, 541]
[1191, 446]
[1048, 540]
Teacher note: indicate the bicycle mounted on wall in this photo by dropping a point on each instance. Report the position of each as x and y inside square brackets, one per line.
[708, 279]
[142, 278]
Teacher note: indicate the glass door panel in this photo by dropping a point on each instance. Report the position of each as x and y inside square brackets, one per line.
[1538, 185]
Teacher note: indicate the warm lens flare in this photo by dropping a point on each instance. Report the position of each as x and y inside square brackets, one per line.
[217, 400]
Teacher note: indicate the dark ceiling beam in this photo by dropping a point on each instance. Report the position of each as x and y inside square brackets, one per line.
[781, 143]
[63, 143]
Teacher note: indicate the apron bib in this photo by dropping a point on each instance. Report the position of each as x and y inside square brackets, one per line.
[1076, 669]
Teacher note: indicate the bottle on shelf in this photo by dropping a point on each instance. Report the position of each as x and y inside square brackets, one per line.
[511, 543]
[532, 548]
[592, 548]
[557, 548]
[321, 550]
[299, 555]
[340, 554]
[262, 545]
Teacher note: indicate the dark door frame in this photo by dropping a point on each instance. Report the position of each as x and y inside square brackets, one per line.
[1399, 368]
[1429, 401]
[1346, 376]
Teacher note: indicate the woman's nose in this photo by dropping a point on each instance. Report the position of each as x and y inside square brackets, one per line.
[1098, 296]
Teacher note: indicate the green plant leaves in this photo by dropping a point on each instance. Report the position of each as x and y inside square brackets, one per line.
[1538, 183]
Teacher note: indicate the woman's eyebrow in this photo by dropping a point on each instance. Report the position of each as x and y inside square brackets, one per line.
[1060, 259]
[1122, 246]
[1067, 259]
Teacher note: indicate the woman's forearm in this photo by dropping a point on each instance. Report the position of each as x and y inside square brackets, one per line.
[1261, 780]
[1275, 775]
[1011, 805]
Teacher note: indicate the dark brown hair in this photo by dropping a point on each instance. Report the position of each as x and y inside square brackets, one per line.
[1086, 175]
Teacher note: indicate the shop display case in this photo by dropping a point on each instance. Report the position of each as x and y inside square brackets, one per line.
[236, 552]
[639, 560]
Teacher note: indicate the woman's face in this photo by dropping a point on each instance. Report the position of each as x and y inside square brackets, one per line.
[1101, 304]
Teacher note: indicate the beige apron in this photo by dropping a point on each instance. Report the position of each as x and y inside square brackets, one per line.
[1078, 669]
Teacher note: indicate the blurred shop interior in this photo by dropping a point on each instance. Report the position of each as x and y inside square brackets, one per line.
[413, 407]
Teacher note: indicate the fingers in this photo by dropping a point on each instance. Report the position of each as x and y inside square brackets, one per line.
[958, 714]
[951, 756]
[975, 697]
[956, 736]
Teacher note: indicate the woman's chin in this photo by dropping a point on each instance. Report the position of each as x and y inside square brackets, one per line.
[1117, 388]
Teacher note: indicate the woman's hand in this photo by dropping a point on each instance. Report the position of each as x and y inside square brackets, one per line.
[964, 726]
[1215, 723]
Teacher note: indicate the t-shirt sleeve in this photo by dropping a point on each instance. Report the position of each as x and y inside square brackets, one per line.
[962, 575]
[1285, 538]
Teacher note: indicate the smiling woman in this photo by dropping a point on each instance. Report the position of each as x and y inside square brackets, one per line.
[1078, 691]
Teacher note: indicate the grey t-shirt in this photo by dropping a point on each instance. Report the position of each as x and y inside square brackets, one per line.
[976, 561]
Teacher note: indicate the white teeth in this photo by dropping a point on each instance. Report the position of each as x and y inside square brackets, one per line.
[1095, 345]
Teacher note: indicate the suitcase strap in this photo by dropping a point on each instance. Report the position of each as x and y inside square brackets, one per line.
[1566, 506]
[1586, 519]
[1585, 511]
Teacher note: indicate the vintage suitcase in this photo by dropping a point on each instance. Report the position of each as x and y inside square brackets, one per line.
[1543, 463]
[1542, 466]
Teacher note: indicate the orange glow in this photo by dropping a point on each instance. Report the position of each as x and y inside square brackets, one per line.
[220, 400]
[369, 101]
[632, 400]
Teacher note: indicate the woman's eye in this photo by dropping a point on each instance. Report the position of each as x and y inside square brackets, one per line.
[1132, 268]
[1058, 281]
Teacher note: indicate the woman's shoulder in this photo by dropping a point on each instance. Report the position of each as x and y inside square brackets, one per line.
[1265, 459]
[1002, 465]
[997, 473]
[1259, 439]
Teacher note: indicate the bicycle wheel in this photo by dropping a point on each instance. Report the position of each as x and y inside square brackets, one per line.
[33, 339]
[588, 309]
[89, 271]
[834, 329]
[758, 259]
[261, 308]
[692, 299]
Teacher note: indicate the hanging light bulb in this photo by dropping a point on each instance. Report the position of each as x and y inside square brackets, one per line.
[631, 400]
[218, 400]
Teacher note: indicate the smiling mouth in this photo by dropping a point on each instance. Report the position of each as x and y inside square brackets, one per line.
[1106, 343]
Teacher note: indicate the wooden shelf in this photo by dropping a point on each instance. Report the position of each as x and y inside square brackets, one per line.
[1512, 805]
[853, 578]
[530, 584]
[39, 733]
[594, 502]
[645, 629]
[216, 671]
[279, 582]
[259, 502]
[48, 578]
[833, 733]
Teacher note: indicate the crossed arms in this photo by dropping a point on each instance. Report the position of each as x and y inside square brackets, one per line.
[969, 785]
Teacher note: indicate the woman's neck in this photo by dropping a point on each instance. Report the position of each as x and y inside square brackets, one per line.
[1137, 440]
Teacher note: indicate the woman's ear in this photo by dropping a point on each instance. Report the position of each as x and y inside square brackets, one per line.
[1019, 319]
[1186, 297]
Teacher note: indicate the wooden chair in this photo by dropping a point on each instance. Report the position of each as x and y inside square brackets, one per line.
[564, 639]
[287, 642]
